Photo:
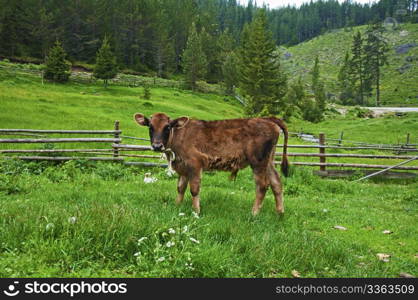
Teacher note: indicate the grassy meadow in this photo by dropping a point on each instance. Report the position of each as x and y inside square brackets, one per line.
[85, 219]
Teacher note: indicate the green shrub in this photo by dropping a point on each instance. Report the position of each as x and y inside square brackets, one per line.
[57, 68]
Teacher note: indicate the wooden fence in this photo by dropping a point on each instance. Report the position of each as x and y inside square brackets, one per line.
[115, 150]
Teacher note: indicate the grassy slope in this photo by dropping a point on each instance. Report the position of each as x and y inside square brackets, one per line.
[114, 207]
[331, 47]
[26, 103]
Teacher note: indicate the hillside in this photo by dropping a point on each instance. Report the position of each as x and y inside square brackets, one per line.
[400, 77]
[26, 103]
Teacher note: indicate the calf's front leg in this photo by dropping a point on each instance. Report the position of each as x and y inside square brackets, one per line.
[181, 188]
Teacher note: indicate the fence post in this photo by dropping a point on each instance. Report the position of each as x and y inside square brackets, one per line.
[407, 139]
[341, 138]
[116, 135]
[322, 158]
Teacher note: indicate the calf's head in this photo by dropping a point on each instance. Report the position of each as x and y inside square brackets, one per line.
[160, 127]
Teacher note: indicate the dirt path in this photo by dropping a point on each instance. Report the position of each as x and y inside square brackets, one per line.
[381, 110]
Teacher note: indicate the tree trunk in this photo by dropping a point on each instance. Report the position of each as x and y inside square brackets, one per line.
[378, 87]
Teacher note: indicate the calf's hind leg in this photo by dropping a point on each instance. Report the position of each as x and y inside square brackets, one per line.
[262, 183]
[194, 179]
[276, 187]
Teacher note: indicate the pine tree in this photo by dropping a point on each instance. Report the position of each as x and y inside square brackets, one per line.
[356, 68]
[106, 67]
[193, 60]
[43, 31]
[230, 73]
[212, 53]
[229, 60]
[344, 81]
[164, 55]
[376, 54]
[295, 99]
[57, 68]
[147, 91]
[260, 76]
[314, 111]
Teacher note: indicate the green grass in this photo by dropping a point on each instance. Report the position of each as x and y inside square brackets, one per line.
[114, 208]
[396, 88]
[26, 103]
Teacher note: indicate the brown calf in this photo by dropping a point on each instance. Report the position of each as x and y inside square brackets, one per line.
[227, 145]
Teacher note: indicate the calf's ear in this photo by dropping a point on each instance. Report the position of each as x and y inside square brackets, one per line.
[180, 122]
[141, 119]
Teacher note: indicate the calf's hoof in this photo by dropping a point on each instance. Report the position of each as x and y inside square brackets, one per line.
[179, 200]
[196, 209]
[280, 210]
[255, 211]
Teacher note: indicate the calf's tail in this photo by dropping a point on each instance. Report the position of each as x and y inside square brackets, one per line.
[285, 162]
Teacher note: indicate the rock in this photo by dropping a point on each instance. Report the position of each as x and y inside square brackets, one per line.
[409, 58]
[402, 49]
[406, 275]
[295, 274]
[403, 33]
[287, 55]
[383, 257]
[404, 68]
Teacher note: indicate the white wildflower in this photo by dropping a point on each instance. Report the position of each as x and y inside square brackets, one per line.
[162, 258]
[149, 179]
[195, 215]
[141, 240]
[170, 244]
[171, 231]
[137, 254]
[72, 220]
[185, 228]
[182, 214]
[194, 240]
[49, 226]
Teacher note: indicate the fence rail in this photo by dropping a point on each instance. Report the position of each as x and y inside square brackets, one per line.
[62, 140]
[361, 166]
[63, 158]
[121, 152]
[61, 131]
[407, 149]
[347, 155]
